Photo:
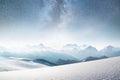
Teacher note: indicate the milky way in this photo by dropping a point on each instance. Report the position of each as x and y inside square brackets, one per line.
[78, 20]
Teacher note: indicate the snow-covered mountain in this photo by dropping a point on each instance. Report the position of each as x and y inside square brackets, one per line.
[46, 58]
[110, 51]
[106, 69]
[81, 52]
[71, 53]
[38, 52]
[89, 51]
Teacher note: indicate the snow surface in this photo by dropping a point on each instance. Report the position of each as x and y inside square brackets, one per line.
[106, 69]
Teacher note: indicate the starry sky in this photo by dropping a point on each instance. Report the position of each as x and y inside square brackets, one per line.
[58, 22]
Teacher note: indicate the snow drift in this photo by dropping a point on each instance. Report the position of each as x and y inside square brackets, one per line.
[106, 69]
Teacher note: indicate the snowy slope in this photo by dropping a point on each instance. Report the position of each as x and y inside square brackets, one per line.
[106, 69]
[17, 64]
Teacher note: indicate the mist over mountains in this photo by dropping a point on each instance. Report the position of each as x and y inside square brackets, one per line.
[68, 52]
[39, 56]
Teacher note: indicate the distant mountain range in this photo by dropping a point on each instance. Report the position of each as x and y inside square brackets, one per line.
[71, 53]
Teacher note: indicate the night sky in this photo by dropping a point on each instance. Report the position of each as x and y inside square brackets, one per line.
[59, 22]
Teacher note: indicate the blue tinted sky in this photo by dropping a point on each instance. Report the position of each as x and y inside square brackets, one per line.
[59, 22]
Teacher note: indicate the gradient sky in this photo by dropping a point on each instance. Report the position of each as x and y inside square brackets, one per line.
[59, 22]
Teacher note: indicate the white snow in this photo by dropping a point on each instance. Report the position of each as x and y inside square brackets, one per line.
[106, 69]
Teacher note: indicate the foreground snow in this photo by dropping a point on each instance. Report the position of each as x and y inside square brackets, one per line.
[106, 69]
